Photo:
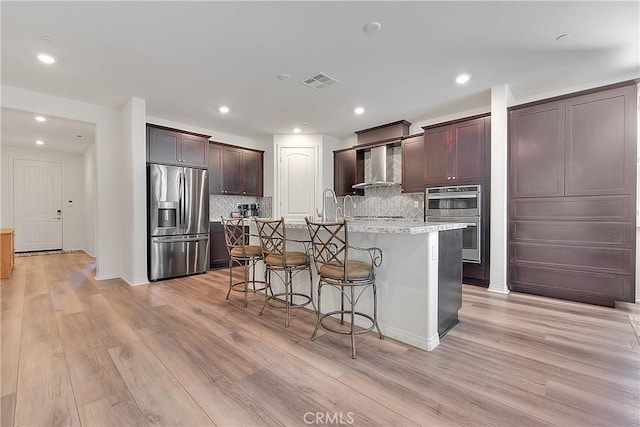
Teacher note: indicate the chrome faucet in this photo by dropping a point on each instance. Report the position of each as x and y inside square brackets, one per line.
[344, 205]
[324, 205]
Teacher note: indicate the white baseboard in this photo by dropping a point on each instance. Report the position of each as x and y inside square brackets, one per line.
[499, 290]
[136, 282]
[423, 343]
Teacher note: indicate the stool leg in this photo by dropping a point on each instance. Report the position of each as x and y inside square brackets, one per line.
[246, 282]
[267, 284]
[353, 318]
[313, 304]
[288, 297]
[342, 305]
[315, 331]
[230, 277]
[375, 312]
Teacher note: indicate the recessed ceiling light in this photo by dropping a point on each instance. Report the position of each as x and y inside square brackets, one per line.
[296, 130]
[372, 27]
[223, 109]
[40, 142]
[358, 110]
[47, 59]
[284, 77]
[41, 119]
[562, 37]
[463, 78]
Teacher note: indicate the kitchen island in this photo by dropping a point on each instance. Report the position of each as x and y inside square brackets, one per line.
[408, 279]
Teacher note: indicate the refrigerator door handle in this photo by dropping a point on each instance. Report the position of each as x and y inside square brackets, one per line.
[179, 239]
[181, 199]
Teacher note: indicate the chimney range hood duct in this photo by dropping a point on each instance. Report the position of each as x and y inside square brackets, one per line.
[381, 168]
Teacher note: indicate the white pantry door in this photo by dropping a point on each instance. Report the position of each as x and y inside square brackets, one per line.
[37, 205]
[298, 177]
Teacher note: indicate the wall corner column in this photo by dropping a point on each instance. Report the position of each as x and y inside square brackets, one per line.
[501, 97]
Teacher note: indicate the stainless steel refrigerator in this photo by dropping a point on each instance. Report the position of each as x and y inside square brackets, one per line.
[178, 218]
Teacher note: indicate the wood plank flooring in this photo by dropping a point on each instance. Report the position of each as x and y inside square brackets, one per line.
[76, 351]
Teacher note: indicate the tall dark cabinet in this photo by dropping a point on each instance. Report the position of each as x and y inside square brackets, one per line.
[572, 198]
[458, 153]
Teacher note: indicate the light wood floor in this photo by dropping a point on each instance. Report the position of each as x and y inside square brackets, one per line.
[76, 351]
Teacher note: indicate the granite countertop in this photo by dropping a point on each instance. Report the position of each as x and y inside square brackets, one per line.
[390, 226]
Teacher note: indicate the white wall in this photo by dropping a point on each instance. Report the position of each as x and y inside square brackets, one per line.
[134, 262]
[89, 191]
[109, 240]
[73, 230]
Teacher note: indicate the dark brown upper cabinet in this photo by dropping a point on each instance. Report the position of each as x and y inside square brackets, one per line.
[174, 147]
[235, 171]
[454, 153]
[344, 172]
[582, 146]
[413, 164]
[600, 143]
[382, 133]
[537, 151]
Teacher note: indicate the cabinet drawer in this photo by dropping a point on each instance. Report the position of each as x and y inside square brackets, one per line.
[580, 286]
[598, 260]
[573, 233]
[601, 208]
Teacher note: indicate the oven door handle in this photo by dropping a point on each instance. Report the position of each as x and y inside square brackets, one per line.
[452, 196]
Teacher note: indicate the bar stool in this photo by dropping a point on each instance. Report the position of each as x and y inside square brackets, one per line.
[278, 258]
[330, 248]
[243, 254]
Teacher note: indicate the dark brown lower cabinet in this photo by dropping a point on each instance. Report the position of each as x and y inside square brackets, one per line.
[218, 253]
[577, 248]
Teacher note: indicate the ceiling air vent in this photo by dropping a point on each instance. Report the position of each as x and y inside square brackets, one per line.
[320, 81]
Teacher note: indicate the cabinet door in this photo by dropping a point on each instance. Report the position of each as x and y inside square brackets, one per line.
[344, 172]
[600, 145]
[163, 146]
[536, 148]
[218, 252]
[194, 151]
[413, 165]
[215, 169]
[232, 171]
[468, 151]
[437, 147]
[252, 170]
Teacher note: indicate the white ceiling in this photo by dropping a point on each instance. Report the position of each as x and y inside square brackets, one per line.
[20, 129]
[188, 58]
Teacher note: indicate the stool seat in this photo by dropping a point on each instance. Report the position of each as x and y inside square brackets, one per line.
[355, 270]
[287, 259]
[246, 252]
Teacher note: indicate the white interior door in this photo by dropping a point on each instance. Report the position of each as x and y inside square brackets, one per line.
[37, 205]
[298, 182]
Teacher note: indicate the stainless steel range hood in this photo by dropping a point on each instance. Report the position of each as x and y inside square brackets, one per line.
[381, 168]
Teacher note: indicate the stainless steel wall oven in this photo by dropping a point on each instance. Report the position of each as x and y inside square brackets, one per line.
[460, 204]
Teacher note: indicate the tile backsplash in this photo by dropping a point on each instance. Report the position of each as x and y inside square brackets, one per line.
[224, 205]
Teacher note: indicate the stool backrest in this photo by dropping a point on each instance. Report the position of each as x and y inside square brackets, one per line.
[273, 237]
[234, 234]
[329, 243]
